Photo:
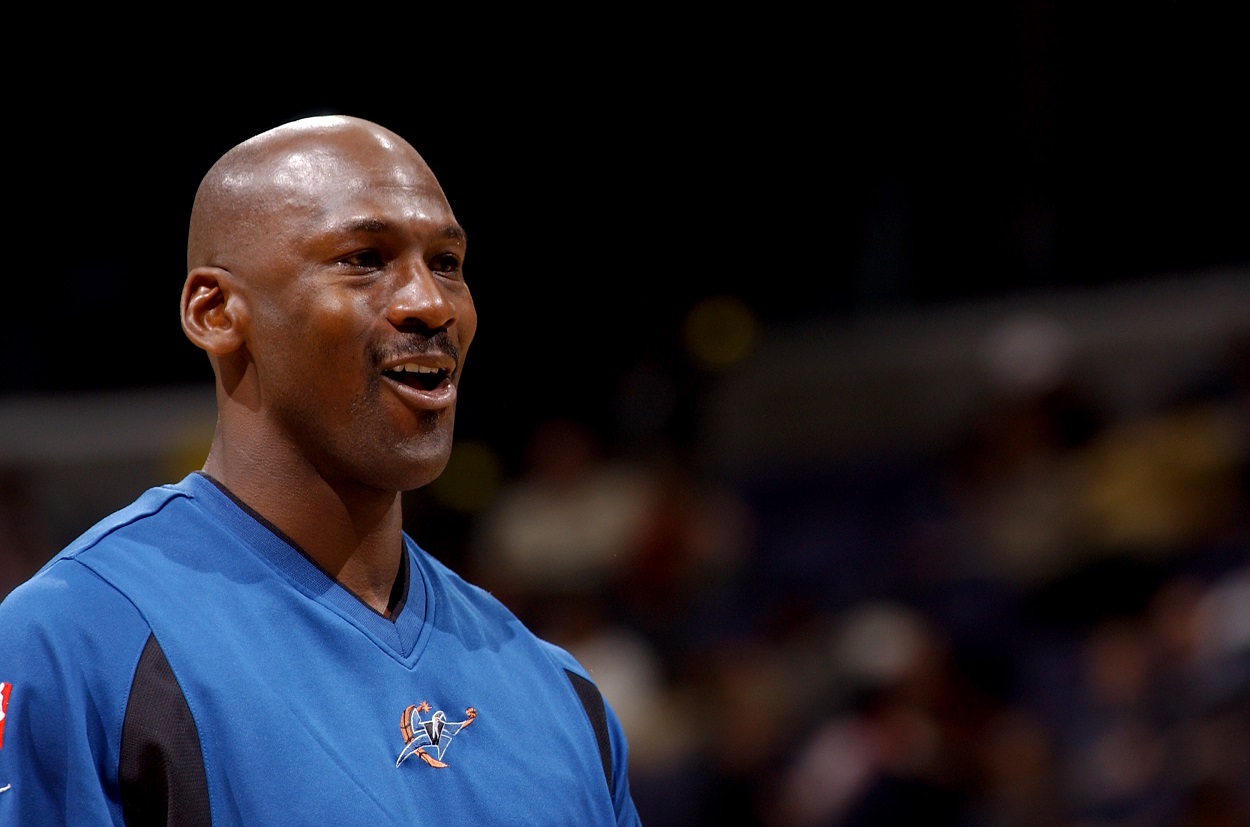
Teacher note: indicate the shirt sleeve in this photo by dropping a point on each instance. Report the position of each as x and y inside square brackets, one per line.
[618, 746]
[622, 798]
[69, 645]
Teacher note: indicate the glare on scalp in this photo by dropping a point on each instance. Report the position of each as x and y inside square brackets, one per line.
[226, 200]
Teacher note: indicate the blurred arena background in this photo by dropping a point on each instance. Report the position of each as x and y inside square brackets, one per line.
[866, 401]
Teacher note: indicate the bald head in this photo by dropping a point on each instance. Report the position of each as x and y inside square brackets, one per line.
[296, 163]
[325, 282]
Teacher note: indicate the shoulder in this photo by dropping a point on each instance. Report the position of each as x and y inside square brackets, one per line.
[67, 616]
[145, 520]
[453, 592]
[74, 603]
[609, 733]
[563, 659]
[69, 647]
[65, 592]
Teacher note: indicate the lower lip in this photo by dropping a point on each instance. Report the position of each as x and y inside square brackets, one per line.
[444, 396]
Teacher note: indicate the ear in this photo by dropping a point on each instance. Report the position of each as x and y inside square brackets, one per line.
[213, 313]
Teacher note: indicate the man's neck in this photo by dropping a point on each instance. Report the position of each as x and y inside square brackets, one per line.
[355, 538]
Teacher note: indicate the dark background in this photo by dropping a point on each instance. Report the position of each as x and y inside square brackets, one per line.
[613, 167]
[611, 172]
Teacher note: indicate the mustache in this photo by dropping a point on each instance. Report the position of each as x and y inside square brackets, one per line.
[416, 344]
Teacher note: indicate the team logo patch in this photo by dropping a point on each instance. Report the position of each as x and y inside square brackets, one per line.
[5, 689]
[429, 738]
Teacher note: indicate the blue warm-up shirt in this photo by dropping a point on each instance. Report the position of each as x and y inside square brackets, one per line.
[184, 663]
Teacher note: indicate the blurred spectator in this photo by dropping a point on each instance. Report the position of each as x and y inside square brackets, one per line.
[1017, 781]
[1018, 476]
[897, 748]
[692, 546]
[1114, 747]
[659, 722]
[568, 524]
[23, 542]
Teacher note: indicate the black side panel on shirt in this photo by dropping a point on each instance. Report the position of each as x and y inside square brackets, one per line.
[592, 700]
[161, 767]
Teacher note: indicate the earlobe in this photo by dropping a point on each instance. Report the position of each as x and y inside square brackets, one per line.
[212, 312]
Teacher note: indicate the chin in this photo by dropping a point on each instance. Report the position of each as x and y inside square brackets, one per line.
[423, 466]
[399, 478]
[425, 478]
[406, 461]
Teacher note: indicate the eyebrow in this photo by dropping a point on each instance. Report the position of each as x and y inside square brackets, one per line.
[377, 225]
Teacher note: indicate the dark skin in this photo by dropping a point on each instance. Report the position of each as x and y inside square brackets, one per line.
[325, 282]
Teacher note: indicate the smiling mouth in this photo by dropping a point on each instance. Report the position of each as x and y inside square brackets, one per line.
[421, 377]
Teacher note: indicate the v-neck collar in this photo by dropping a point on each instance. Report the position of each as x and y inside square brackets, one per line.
[400, 633]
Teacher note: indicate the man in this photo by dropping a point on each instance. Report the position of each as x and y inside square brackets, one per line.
[261, 644]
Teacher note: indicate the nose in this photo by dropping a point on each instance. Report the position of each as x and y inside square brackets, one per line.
[420, 300]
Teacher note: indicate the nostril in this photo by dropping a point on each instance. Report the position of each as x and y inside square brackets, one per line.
[427, 321]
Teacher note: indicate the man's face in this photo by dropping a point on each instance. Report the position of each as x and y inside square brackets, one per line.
[360, 317]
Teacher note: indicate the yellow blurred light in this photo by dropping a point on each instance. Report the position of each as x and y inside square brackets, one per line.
[719, 331]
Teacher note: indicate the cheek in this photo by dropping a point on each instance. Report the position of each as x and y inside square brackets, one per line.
[332, 321]
[466, 324]
[316, 341]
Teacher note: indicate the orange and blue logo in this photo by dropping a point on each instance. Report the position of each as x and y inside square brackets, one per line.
[429, 738]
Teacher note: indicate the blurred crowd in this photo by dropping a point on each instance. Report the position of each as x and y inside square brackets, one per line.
[1044, 623]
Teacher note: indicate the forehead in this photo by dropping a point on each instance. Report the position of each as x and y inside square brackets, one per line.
[312, 183]
[315, 166]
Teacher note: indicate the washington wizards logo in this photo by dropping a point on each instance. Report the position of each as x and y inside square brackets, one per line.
[429, 737]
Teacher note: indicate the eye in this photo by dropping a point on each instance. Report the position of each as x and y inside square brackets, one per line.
[365, 259]
[447, 263]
